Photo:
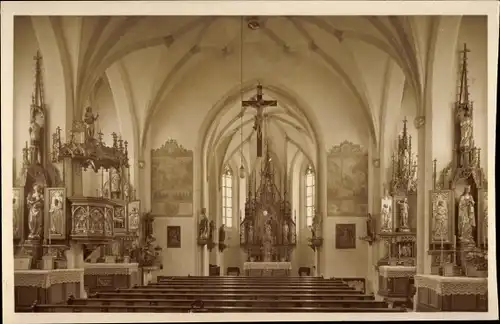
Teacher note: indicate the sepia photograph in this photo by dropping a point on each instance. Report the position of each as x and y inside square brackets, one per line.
[332, 157]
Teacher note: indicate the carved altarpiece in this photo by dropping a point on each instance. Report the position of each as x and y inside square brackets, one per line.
[268, 232]
[36, 176]
[463, 178]
[400, 238]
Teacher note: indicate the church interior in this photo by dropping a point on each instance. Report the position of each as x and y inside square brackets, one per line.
[250, 164]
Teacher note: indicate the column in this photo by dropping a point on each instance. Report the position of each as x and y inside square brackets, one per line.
[206, 260]
[315, 271]
[423, 188]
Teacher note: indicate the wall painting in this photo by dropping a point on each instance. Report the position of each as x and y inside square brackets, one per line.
[347, 186]
[172, 180]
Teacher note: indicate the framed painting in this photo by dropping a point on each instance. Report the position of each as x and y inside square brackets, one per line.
[18, 212]
[442, 211]
[55, 213]
[482, 217]
[173, 236]
[345, 236]
[134, 210]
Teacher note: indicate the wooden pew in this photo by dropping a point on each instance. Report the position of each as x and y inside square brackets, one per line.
[240, 279]
[62, 308]
[229, 295]
[259, 291]
[234, 302]
[243, 286]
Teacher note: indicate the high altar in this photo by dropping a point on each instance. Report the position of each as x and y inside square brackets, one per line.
[268, 232]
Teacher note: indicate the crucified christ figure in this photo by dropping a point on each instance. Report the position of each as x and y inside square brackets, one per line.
[259, 104]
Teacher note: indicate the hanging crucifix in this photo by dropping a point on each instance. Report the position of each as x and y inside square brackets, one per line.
[259, 104]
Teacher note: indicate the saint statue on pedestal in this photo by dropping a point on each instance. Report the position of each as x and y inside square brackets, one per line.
[89, 120]
[466, 218]
[203, 227]
[403, 212]
[465, 128]
[386, 213]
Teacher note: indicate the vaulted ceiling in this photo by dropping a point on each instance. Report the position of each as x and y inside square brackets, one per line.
[354, 49]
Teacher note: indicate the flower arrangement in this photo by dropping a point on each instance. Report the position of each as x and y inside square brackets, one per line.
[477, 259]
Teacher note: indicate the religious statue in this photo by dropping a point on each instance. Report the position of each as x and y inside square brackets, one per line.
[222, 233]
[386, 213]
[440, 226]
[259, 103]
[251, 233]
[465, 119]
[56, 213]
[405, 162]
[115, 183]
[80, 220]
[35, 202]
[316, 227]
[203, 226]
[15, 219]
[286, 232]
[466, 218]
[37, 122]
[485, 218]
[211, 230]
[370, 226]
[89, 119]
[403, 213]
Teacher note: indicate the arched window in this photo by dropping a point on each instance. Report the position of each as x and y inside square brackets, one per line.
[310, 195]
[227, 197]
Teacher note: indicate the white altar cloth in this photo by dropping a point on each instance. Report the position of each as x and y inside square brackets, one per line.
[267, 266]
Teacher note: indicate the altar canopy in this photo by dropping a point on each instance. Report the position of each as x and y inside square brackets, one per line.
[268, 232]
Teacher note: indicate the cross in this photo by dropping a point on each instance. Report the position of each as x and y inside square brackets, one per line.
[259, 104]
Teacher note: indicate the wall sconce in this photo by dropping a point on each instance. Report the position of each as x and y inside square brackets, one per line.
[242, 172]
[142, 164]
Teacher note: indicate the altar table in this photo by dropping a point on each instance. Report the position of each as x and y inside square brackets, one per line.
[47, 286]
[267, 269]
[451, 294]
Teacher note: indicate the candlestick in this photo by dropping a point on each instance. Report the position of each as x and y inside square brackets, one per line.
[442, 250]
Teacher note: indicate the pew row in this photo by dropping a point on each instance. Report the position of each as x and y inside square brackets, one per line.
[232, 295]
[333, 303]
[261, 291]
[64, 308]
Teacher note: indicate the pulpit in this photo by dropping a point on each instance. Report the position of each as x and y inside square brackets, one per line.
[267, 269]
[451, 294]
